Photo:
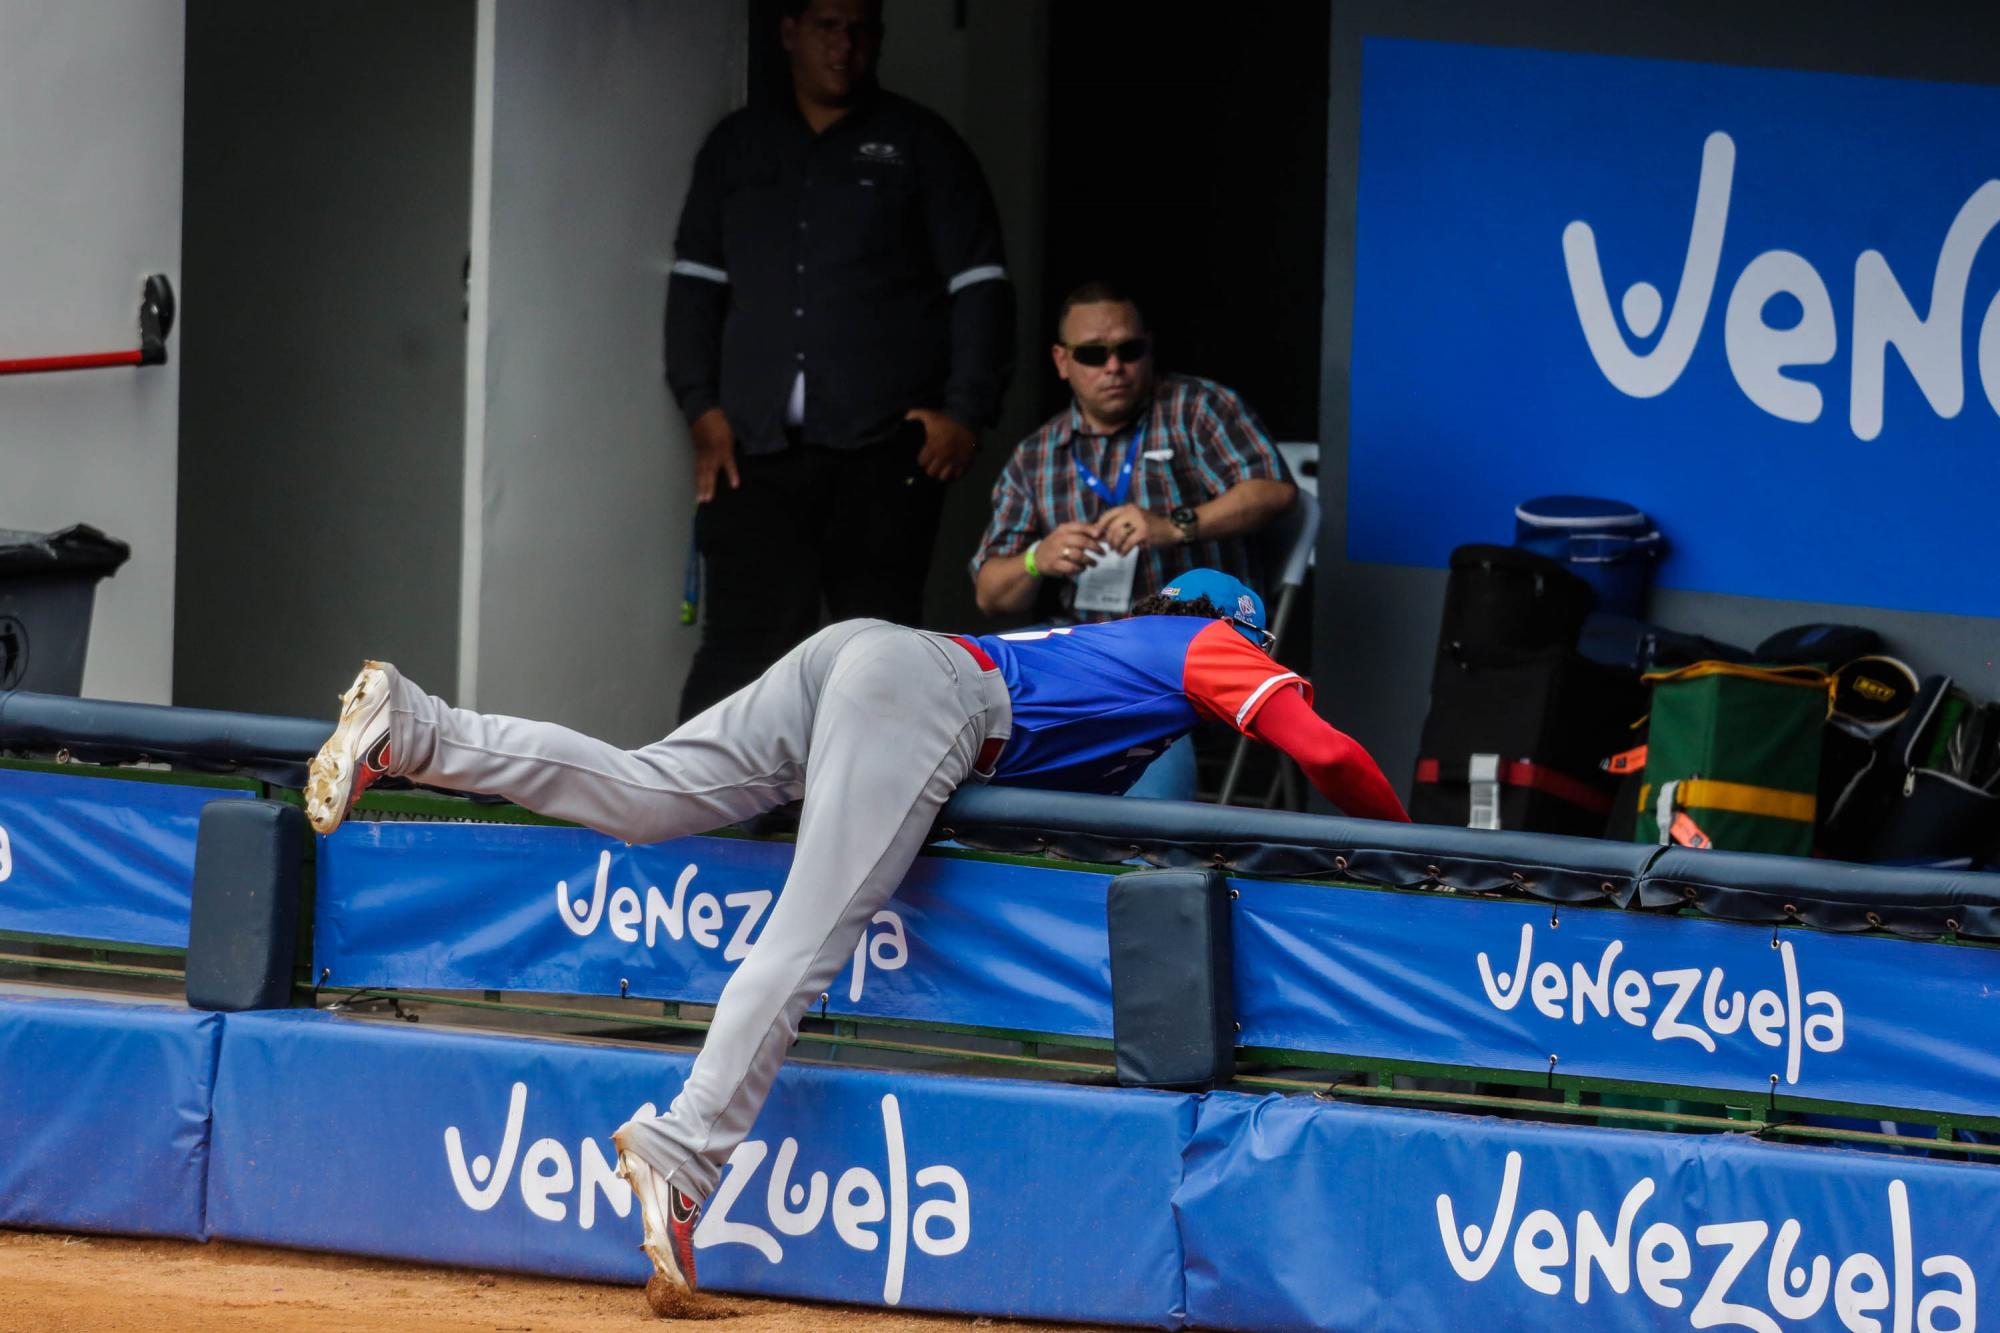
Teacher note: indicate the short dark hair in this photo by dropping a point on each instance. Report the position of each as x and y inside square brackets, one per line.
[792, 9]
[1096, 292]
[1160, 605]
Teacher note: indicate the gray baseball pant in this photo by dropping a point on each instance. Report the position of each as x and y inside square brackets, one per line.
[873, 725]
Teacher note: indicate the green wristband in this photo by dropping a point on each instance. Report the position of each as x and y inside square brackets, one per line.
[1028, 562]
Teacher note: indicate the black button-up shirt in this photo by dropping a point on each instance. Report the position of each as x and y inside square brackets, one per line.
[867, 257]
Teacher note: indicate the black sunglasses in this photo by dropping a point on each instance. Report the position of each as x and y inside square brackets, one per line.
[1098, 354]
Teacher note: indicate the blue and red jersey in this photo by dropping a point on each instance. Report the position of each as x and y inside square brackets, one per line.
[1094, 704]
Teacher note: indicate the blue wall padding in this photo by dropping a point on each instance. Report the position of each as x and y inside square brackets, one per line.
[99, 858]
[1301, 1214]
[338, 1134]
[104, 1115]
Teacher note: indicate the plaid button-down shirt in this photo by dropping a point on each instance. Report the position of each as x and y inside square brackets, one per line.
[1200, 440]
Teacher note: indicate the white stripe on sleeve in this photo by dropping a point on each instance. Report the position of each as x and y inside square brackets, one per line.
[984, 273]
[687, 268]
[1262, 690]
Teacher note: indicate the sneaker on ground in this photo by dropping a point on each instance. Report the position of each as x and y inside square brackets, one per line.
[670, 1218]
[355, 755]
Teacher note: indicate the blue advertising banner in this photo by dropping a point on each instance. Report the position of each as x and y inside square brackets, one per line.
[473, 906]
[1760, 304]
[1022, 1199]
[567, 909]
[1618, 995]
[99, 858]
[104, 1115]
[1421, 1220]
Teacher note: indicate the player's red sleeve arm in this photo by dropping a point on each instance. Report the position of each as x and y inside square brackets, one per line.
[1345, 773]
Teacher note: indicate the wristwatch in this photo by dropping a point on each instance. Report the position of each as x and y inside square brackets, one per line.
[1184, 518]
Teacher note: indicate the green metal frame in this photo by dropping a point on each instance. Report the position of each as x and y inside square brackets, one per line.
[1683, 1108]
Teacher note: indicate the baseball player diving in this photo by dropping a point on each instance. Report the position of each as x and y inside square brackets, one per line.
[874, 726]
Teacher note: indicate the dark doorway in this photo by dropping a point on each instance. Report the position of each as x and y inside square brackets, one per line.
[1187, 163]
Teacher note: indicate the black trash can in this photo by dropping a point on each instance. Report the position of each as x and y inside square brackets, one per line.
[48, 584]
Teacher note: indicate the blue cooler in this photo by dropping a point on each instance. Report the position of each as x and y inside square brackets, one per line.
[1608, 543]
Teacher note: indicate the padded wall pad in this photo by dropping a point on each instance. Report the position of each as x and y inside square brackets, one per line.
[1302, 1214]
[1172, 1015]
[104, 1114]
[243, 929]
[995, 1197]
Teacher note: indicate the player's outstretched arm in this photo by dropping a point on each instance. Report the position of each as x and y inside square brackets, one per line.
[1345, 773]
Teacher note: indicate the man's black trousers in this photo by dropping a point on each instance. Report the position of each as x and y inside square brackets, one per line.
[851, 530]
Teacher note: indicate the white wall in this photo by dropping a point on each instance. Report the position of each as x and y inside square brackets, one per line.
[90, 203]
[579, 504]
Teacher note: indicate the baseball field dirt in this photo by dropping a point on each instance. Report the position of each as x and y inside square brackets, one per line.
[57, 1283]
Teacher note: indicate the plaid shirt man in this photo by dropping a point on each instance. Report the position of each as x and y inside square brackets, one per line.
[1200, 439]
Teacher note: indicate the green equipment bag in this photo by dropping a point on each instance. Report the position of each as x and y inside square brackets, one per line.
[1732, 757]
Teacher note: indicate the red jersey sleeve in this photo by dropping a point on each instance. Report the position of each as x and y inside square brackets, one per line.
[1228, 678]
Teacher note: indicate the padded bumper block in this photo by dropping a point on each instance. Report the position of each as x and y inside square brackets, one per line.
[242, 930]
[1172, 1011]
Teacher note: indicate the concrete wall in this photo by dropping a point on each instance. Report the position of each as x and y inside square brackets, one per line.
[90, 158]
[1377, 624]
[578, 502]
[328, 187]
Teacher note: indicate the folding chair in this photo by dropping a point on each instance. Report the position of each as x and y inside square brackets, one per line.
[1290, 544]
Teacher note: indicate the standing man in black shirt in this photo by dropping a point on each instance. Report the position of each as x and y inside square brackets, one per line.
[839, 323]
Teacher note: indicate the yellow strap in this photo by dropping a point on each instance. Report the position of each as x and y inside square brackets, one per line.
[1811, 677]
[1744, 799]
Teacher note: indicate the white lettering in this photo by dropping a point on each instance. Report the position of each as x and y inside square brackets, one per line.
[1930, 344]
[539, 1187]
[1683, 980]
[1852, 1299]
[660, 912]
[1631, 997]
[1744, 1239]
[1827, 1031]
[857, 1202]
[1655, 1273]
[624, 915]
[704, 918]
[1654, 372]
[1722, 1016]
[1541, 1244]
[580, 921]
[1612, 1254]
[1795, 1288]
[1783, 1277]
[1479, 1263]
[1963, 1302]
[758, 901]
[480, 1187]
[1506, 990]
[802, 1221]
[860, 1203]
[600, 1175]
[1548, 990]
[1597, 990]
[6, 857]
[1759, 353]
[1767, 1015]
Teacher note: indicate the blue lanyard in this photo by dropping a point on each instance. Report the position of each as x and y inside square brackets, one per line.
[1104, 493]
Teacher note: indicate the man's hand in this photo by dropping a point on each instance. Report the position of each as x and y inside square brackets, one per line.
[1068, 550]
[948, 444]
[714, 453]
[1129, 526]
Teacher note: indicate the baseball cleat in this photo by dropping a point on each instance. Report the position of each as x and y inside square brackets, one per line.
[670, 1218]
[355, 755]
